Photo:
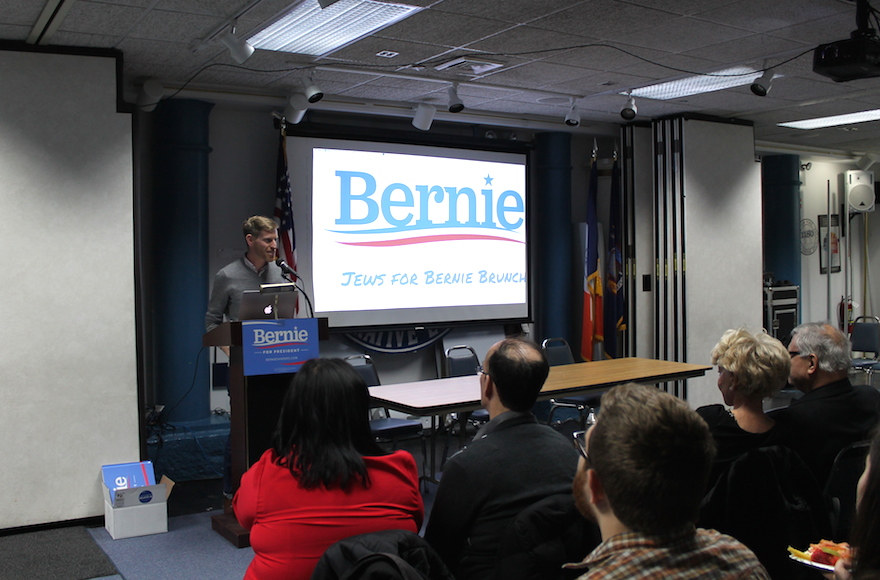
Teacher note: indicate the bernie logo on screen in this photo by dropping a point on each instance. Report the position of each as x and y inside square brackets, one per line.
[408, 212]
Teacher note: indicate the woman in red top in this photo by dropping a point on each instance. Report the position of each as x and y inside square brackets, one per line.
[325, 478]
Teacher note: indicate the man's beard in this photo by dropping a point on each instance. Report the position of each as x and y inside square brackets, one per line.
[579, 490]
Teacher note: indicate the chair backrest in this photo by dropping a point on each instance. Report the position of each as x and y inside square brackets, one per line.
[841, 484]
[461, 360]
[865, 337]
[363, 364]
[557, 351]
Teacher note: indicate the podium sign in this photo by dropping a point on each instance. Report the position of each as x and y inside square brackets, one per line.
[271, 347]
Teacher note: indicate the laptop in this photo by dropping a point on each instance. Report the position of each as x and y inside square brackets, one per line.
[268, 303]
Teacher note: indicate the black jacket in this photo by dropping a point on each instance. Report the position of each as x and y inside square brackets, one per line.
[821, 423]
[355, 557]
[516, 463]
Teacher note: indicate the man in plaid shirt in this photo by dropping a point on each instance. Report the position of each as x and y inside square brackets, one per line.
[641, 477]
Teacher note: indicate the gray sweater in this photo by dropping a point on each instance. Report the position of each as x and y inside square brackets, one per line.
[229, 283]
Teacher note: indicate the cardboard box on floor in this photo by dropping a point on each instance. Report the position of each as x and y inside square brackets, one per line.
[137, 511]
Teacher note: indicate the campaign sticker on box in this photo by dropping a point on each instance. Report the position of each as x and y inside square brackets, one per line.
[121, 476]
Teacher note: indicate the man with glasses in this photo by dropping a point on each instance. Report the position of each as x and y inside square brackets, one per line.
[641, 477]
[512, 463]
[832, 413]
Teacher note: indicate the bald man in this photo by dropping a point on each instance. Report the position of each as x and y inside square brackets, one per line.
[512, 463]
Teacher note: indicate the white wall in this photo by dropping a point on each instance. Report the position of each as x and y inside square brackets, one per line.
[814, 201]
[68, 387]
[724, 242]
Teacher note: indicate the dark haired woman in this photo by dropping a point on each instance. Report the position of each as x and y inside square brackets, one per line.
[325, 478]
[865, 537]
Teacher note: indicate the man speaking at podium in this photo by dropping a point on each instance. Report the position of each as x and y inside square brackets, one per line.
[256, 267]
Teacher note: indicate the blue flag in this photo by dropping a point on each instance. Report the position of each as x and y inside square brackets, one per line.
[613, 306]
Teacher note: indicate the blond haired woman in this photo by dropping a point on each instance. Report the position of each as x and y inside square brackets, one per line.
[750, 368]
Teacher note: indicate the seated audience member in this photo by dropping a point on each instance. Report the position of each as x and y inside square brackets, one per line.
[750, 367]
[325, 478]
[641, 476]
[832, 413]
[512, 463]
[866, 528]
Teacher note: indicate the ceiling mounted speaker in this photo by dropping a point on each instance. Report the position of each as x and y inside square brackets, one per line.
[860, 191]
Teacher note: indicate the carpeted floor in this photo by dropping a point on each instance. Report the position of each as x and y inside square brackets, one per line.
[55, 554]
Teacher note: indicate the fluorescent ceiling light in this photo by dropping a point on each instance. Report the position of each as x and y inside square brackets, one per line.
[835, 120]
[310, 29]
[695, 85]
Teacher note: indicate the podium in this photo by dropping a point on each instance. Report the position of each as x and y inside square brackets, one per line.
[255, 404]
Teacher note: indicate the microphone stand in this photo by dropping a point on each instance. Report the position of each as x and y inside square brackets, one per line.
[301, 289]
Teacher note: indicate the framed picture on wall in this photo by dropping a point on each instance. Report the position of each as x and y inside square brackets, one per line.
[829, 235]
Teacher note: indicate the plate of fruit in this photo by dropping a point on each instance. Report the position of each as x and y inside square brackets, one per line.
[822, 555]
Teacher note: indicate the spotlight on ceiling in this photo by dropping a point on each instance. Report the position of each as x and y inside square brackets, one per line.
[238, 48]
[573, 118]
[424, 116]
[299, 101]
[296, 108]
[762, 86]
[455, 104]
[150, 95]
[629, 111]
[326, 3]
[313, 93]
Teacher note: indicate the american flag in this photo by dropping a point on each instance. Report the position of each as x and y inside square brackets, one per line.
[284, 208]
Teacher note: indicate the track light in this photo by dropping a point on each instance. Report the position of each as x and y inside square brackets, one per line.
[293, 115]
[238, 48]
[296, 108]
[455, 104]
[313, 93]
[299, 101]
[762, 86]
[150, 95]
[629, 111]
[424, 116]
[326, 3]
[573, 118]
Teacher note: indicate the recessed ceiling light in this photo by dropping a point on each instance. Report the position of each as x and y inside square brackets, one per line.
[834, 120]
[309, 29]
[469, 66]
[695, 85]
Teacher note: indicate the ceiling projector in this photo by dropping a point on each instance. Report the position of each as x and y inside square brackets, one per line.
[854, 58]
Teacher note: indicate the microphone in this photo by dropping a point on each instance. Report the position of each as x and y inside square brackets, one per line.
[285, 268]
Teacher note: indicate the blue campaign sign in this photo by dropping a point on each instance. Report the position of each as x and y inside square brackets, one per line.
[272, 347]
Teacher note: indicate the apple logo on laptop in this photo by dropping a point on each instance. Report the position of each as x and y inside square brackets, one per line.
[268, 310]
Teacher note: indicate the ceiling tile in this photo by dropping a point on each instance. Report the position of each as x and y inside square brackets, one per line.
[606, 20]
[443, 28]
[762, 16]
[751, 49]
[514, 11]
[682, 35]
[174, 26]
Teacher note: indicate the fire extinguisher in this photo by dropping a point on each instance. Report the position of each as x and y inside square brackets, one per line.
[845, 314]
